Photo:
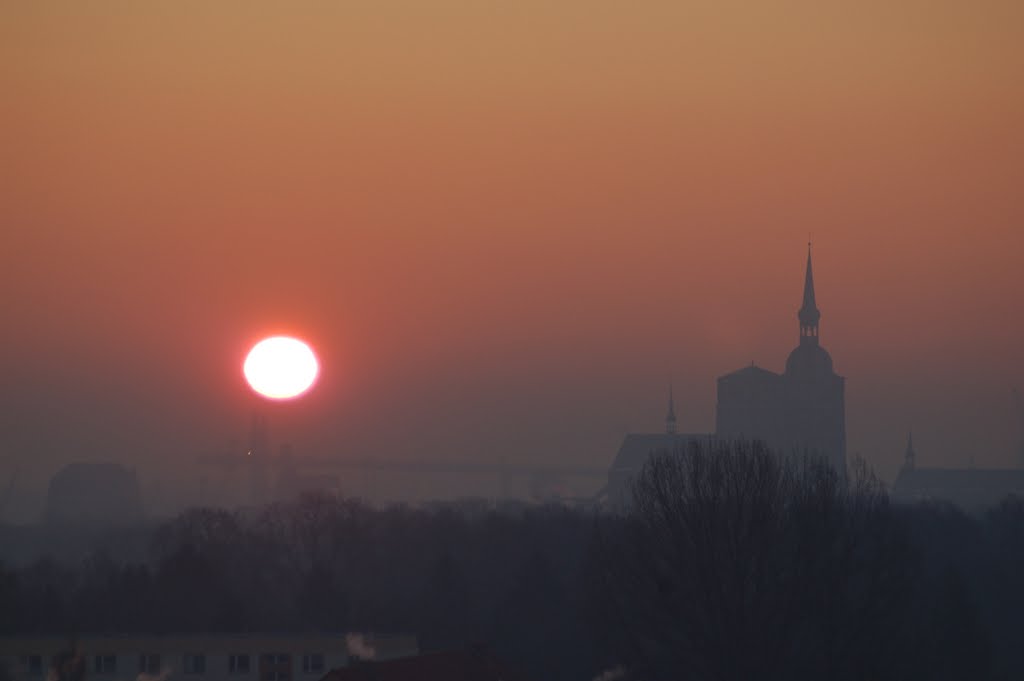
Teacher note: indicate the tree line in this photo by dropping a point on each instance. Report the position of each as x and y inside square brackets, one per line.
[731, 562]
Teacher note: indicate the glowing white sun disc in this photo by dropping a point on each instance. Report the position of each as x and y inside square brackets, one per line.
[281, 367]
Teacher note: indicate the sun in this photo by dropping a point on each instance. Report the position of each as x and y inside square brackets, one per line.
[281, 367]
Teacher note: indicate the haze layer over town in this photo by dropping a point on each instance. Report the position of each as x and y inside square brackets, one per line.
[548, 340]
[506, 230]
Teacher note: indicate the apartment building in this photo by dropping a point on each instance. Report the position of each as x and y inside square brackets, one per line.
[210, 657]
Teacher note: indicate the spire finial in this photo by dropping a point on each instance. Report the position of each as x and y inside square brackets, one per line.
[670, 417]
[910, 456]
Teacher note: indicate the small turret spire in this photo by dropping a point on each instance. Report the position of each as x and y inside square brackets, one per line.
[910, 456]
[808, 313]
[670, 417]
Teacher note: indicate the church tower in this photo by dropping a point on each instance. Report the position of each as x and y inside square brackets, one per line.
[801, 410]
[813, 394]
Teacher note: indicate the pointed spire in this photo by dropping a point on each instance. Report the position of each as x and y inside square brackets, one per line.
[910, 456]
[809, 303]
[808, 313]
[670, 417]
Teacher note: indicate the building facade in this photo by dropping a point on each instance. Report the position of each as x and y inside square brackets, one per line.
[86, 493]
[214, 657]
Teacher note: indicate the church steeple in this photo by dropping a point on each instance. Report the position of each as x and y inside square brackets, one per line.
[670, 417]
[809, 314]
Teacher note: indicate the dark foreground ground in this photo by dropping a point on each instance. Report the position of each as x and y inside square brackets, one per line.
[712, 574]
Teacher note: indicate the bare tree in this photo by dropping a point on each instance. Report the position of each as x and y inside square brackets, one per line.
[736, 563]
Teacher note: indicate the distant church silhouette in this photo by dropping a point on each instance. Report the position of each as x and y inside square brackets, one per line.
[800, 410]
[969, 488]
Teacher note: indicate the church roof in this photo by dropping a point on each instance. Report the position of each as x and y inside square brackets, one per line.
[636, 448]
[967, 486]
[809, 360]
[751, 371]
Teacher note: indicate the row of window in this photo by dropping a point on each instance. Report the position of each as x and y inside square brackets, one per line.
[32, 664]
[273, 666]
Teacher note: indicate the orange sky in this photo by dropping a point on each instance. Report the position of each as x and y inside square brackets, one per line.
[504, 227]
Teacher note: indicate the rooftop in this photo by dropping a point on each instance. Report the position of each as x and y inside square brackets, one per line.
[472, 664]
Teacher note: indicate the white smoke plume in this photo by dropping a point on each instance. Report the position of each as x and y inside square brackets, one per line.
[613, 674]
[359, 646]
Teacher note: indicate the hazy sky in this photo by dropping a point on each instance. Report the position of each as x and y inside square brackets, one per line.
[504, 226]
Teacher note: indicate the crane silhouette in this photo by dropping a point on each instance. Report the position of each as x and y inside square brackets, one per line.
[9, 491]
[1019, 405]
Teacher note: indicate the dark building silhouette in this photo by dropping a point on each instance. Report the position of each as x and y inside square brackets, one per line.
[800, 410]
[637, 447]
[94, 494]
[969, 488]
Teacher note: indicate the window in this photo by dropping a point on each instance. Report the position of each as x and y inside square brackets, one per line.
[313, 663]
[194, 663]
[32, 664]
[276, 667]
[105, 664]
[238, 664]
[149, 664]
